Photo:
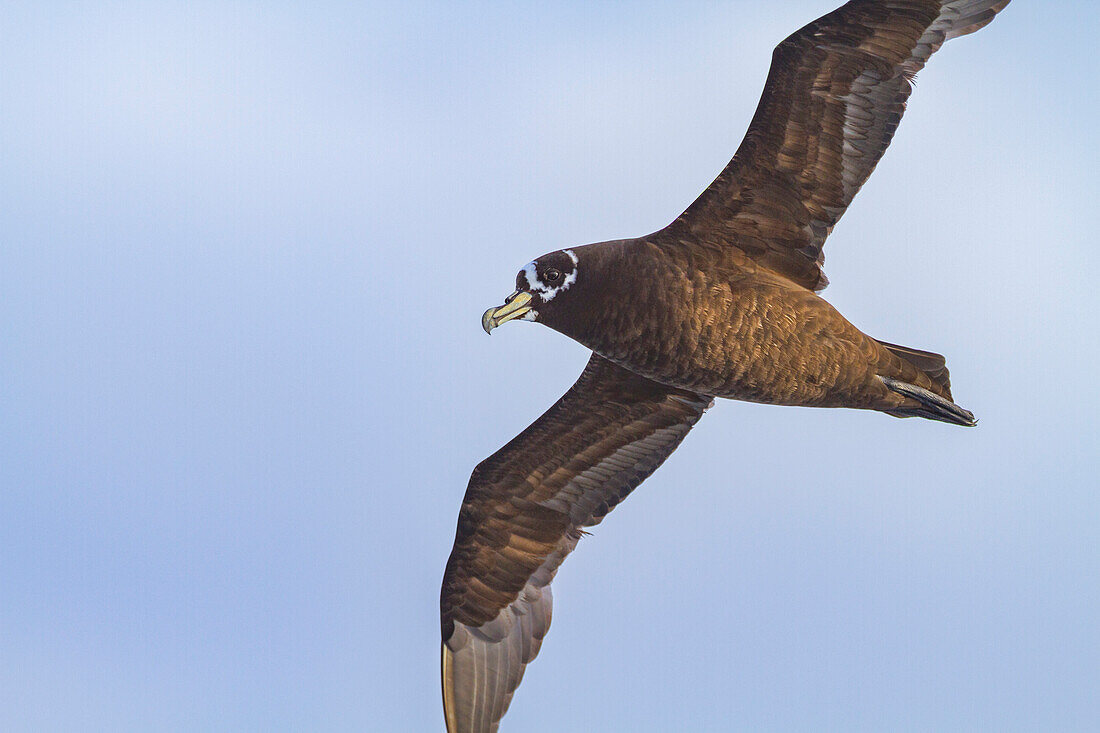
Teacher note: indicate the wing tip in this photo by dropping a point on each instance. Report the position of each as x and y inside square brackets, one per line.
[446, 677]
[976, 21]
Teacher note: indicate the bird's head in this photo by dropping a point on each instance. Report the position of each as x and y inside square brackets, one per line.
[541, 290]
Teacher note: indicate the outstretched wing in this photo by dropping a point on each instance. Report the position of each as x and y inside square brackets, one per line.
[523, 513]
[834, 96]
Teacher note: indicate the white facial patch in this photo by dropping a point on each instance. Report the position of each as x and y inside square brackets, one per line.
[549, 292]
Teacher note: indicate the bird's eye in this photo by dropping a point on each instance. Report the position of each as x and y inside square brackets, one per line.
[552, 275]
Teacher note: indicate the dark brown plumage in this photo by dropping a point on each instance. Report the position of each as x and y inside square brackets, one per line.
[722, 302]
[523, 513]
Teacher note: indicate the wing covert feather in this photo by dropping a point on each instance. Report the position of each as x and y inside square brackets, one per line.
[835, 94]
[524, 511]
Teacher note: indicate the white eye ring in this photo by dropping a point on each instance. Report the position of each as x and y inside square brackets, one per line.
[547, 291]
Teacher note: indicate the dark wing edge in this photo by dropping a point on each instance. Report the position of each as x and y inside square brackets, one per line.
[835, 94]
[524, 511]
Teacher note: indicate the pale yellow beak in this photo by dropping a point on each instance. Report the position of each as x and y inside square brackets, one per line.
[515, 305]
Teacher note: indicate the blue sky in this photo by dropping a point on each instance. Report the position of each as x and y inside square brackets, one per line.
[244, 250]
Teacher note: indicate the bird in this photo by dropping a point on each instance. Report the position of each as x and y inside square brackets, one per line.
[722, 302]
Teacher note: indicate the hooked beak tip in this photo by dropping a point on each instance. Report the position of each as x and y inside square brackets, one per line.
[487, 321]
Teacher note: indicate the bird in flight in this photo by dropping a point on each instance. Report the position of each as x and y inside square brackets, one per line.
[720, 303]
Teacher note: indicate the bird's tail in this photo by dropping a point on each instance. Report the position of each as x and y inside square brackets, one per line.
[933, 401]
[929, 405]
[934, 366]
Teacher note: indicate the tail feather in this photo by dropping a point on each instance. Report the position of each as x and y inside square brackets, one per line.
[930, 405]
[933, 365]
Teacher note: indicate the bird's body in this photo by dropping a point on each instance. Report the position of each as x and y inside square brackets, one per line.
[725, 326]
[723, 302]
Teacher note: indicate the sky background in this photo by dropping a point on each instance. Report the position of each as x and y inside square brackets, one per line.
[244, 251]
